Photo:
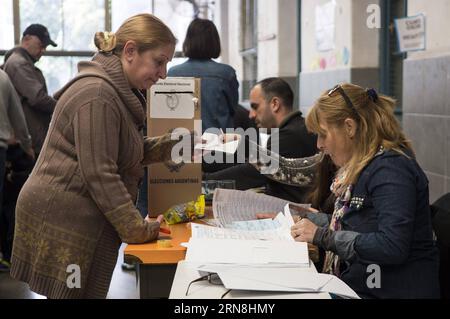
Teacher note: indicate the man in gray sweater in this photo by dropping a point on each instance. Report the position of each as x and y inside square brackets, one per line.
[29, 82]
[13, 129]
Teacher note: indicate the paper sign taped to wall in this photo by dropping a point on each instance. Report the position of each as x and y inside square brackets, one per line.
[325, 26]
[411, 33]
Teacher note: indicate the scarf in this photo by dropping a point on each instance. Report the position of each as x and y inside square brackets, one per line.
[343, 194]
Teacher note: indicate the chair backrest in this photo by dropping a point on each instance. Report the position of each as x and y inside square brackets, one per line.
[440, 212]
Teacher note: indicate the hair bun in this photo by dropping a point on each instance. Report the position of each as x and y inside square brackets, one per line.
[105, 41]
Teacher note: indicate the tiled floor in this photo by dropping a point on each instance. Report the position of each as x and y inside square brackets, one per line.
[123, 285]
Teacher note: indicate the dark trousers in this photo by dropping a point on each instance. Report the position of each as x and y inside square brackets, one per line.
[19, 166]
[2, 176]
[142, 201]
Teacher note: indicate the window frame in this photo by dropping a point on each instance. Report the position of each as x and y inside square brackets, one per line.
[390, 58]
[69, 53]
[248, 52]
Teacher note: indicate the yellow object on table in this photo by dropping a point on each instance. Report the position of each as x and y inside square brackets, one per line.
[186, 212]
[164, 243]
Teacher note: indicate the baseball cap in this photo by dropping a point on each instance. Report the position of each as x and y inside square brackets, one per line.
[41, 32]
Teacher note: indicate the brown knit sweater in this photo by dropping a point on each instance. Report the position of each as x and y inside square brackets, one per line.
[77, 206]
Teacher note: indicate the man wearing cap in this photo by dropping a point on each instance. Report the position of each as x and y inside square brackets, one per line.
[29, 82]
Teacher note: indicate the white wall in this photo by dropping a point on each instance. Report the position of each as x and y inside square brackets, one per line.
[365, 41]
[356, 46]
[288, 38]
[277, 37]
[221, 22]
[268, 38]
[437, 13]
[314, 60]
[234, 58]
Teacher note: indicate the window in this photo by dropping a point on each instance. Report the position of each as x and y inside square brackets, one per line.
[73, 23]
[249, 45]
[121, 10]
[391, 72]
[58, 70]
[74, 35]
[6, 25]
[178, 15]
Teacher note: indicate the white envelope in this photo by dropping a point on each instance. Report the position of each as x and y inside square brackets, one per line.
[283, 279]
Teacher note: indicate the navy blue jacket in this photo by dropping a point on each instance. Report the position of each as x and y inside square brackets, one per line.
[389, 225]
[219, 90]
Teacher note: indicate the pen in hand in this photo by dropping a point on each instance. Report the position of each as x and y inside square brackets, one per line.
[222, 136]
[164, 230]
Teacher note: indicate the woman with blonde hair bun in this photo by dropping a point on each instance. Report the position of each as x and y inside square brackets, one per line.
[77, 206]
[379, 237]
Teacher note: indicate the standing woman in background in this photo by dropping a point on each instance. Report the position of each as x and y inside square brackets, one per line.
[219, 86]
[78, 204]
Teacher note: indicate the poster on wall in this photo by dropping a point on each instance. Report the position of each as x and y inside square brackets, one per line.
[325, 26]
[411, 33]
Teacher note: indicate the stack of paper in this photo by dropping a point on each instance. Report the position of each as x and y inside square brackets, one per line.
[266, 229]
[248, 242]
[233, 205]
[250, 254]
[247, 252]
[209, 232]
[276, 279]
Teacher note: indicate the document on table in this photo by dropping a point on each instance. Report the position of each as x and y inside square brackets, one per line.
[233, 205]
[213, 143]
[255, 225]
[280, 279]
[209, 232]
[248, 252]
[265, 229]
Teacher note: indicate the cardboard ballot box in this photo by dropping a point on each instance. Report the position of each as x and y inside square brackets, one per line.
[173, 103]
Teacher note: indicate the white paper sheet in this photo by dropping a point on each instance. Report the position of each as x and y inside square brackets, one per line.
[213, 143]
[234, 205]
[263, 139]
[251, 252]
[209, 232]
[325, 26]
[281, 279]
[290, 279]
[256, 225]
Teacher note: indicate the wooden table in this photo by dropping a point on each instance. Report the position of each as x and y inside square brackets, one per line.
[156, 266]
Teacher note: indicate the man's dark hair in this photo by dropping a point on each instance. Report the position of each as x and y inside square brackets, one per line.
[276, 87]
[202, 40]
